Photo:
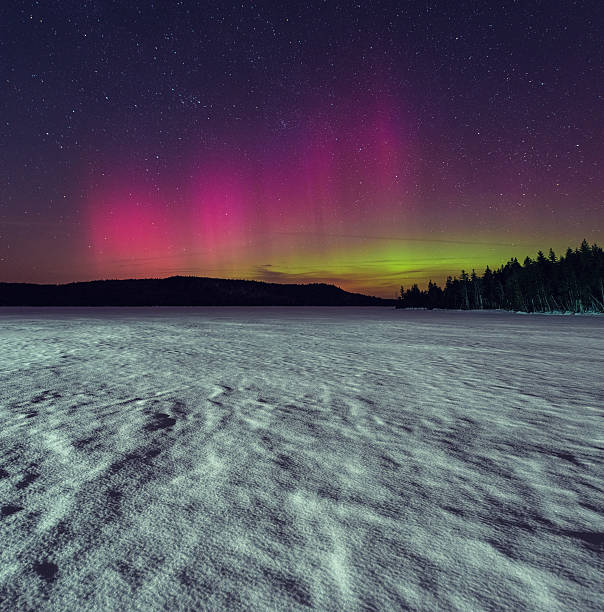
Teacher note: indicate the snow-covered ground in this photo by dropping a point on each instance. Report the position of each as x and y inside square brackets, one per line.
[339, 459]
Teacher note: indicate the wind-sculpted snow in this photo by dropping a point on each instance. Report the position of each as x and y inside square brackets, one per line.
[336, 459]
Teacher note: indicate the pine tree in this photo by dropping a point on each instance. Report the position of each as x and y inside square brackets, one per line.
[573, 282]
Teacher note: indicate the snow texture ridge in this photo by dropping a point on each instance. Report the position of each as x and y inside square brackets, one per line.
[284, 459]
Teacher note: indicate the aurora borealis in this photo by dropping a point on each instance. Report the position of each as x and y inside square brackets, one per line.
[365, 145]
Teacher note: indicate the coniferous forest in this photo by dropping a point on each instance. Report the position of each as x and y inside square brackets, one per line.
[573, 282]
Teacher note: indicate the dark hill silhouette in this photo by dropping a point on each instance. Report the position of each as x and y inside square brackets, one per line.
[182, 291]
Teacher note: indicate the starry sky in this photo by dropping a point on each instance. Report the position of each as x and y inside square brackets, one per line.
[366, 144]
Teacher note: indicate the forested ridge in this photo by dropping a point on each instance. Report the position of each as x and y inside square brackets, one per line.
[182, 291]
[573, 282]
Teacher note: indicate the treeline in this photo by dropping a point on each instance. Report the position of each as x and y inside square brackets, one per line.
[571, 283]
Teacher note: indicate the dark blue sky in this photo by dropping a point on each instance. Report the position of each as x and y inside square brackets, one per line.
[495, 115]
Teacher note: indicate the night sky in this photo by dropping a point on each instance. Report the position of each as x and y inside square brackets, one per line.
[366, 144]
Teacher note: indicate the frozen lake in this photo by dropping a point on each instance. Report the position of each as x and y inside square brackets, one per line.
[338, 459]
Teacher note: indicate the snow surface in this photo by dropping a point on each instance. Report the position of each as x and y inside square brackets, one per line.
[334, 458]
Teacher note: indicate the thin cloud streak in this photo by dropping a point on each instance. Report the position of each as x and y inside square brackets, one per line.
[399, 239]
